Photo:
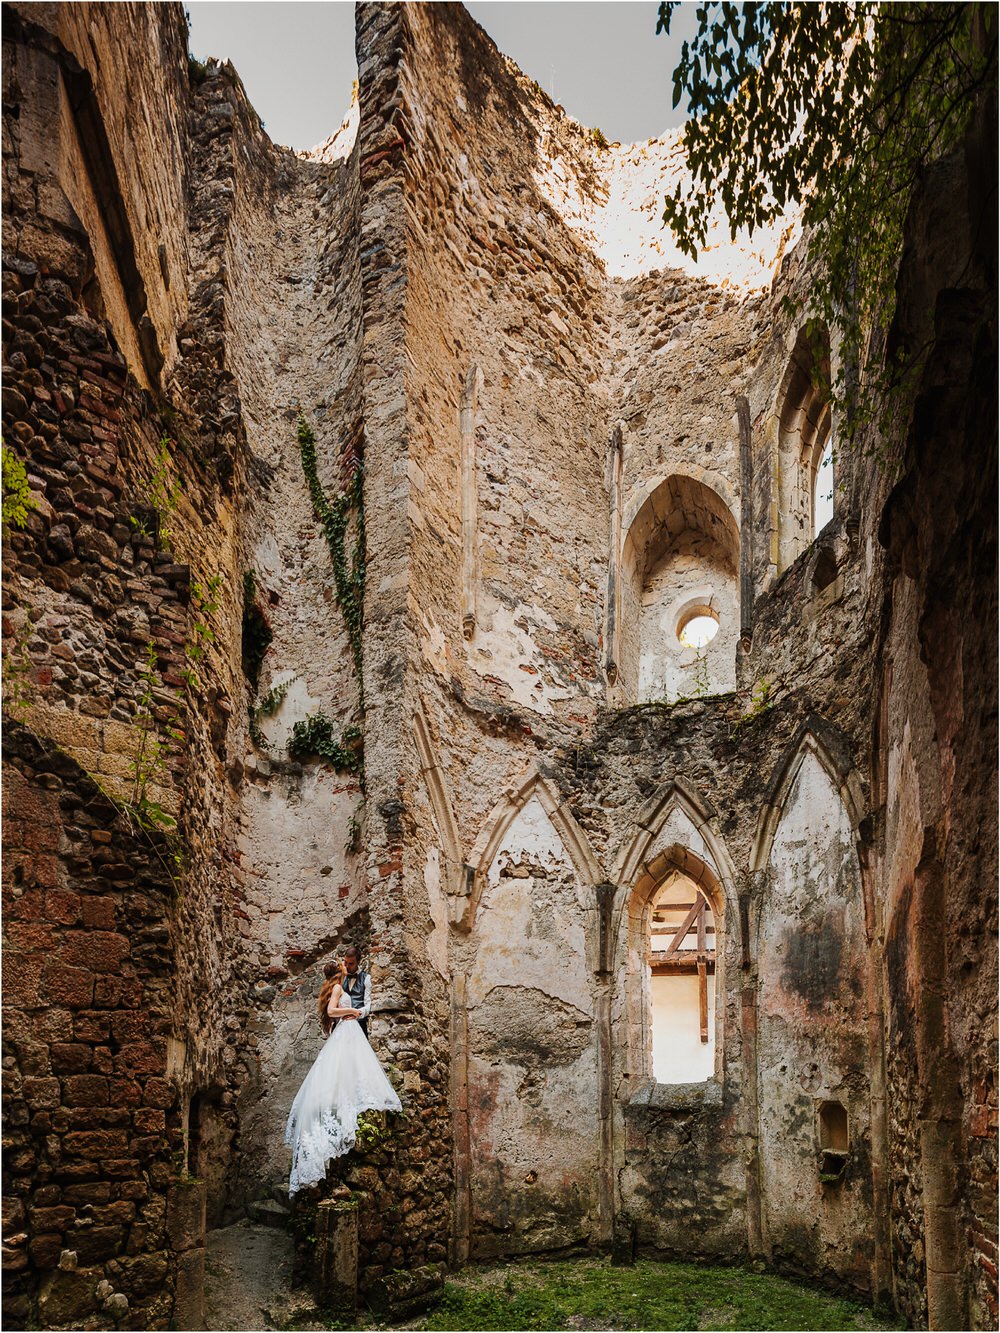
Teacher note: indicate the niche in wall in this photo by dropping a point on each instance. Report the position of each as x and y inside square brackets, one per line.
[679, 614]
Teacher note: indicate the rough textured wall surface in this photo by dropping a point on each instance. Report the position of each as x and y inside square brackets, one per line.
[935, 727]
[567, 440]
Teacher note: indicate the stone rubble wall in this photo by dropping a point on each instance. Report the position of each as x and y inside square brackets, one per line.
[92, 1120]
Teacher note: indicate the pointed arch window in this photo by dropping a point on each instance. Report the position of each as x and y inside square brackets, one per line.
[682, 955]
[805, 458]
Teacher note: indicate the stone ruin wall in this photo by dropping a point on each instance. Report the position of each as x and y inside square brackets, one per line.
[442, 299]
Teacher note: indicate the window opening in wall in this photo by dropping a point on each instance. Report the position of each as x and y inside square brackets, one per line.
[805, 459]
[823, 489]
[682, 952]
[679, 561]
[698, 628]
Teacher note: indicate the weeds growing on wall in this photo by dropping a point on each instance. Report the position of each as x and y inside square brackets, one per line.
[204, 602]
[375, 1129]
[148, 765]
[17, 497]
[18, 687]
[352, 843]
[267, 706]
[163, 494]
[257, 633]
[761, 701]
[699, 675]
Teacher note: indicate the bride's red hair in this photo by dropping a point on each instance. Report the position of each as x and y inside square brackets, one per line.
[334, 974]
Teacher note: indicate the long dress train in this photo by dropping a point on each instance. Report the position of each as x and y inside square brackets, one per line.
[345, 1080]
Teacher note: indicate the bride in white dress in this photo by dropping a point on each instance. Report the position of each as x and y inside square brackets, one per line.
[345, 1080]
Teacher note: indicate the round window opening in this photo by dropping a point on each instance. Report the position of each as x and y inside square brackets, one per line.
[698, 628]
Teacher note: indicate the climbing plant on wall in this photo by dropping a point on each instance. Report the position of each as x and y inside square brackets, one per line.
[335, 517]
[315, 734]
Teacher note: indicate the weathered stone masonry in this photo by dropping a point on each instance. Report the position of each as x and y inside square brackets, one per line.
[571, 441]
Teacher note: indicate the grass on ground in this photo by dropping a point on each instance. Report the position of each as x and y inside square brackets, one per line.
[589, 1294]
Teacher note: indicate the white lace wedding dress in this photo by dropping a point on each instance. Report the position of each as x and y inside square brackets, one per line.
[346, 1079]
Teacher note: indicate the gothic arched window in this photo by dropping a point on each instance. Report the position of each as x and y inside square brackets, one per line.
[679, 615]
[805, 461]
[682, 940]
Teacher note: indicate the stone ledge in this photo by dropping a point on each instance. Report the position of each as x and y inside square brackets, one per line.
[652, 1096]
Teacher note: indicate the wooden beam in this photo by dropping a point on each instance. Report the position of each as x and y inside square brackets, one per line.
[703, 998]
[680, 964]
[684, 927]
[701, 928]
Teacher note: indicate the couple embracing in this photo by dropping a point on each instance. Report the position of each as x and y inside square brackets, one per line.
[345, 1079]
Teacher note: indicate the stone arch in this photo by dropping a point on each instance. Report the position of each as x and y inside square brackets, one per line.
[817, 738]
[437, 793]
[805, 429]
[674, 833]
[680, 551]
[680, 795]
[529, 1141]
[815, 1034]
[530, 784]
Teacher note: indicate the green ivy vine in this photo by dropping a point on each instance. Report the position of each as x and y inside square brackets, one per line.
[314, 736]
[335, 516]
[267, 706]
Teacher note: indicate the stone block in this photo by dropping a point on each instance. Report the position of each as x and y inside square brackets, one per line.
[139, 1057]
[98, 912]
[69, 986]
[44, 1250]
[62, 906]
[158, 1092]
[86, 1090]
[402, 1294]
[68, 1298]
[140, 1274]
[41, 1093]
[189, 1292]
[92, 1027]
[186, 1201]
[21, 981]
[336, 1275]
[117, 992]
[98, 950]
[97, 1244]
[69, 1057]
[124, 1092]
[96, 1143]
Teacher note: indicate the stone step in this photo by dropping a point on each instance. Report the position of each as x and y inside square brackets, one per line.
[268, 1212]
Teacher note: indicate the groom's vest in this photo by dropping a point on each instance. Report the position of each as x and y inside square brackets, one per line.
[355, 988]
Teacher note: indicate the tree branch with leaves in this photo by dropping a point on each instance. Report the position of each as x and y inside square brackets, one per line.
[834, 109]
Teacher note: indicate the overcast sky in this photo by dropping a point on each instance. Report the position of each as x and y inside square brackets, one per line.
[601, 60]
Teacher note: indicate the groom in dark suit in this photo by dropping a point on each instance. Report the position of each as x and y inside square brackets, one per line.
[358, 985]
